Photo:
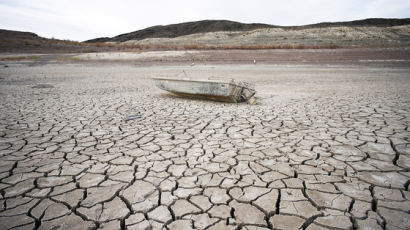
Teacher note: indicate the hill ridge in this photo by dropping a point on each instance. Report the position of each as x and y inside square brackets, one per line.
[205, 26]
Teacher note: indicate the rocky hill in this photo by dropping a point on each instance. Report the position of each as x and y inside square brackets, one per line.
[181, 29]
[206, 26]
[222, 34]
[27, 42]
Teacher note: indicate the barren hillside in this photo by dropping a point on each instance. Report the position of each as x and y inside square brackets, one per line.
[376, 32]
[220, 34]
[327, 37]
[181, 29]
[27, 42]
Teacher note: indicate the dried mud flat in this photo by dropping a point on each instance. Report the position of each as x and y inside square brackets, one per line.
[327, 147]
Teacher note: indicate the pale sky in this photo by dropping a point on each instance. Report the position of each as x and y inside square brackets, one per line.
[86, 19]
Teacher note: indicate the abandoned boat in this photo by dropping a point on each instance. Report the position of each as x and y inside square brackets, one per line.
[212, 89]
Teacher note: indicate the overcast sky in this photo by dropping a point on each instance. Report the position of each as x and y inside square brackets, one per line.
[86, 19]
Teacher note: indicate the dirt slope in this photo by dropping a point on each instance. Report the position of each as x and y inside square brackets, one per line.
[181, 29]
[206, 26]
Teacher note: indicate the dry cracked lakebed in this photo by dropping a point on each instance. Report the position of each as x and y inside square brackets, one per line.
[326, 147]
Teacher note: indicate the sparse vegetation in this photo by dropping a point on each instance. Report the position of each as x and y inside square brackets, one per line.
[258, 47]
[18, 58]
[166, 47]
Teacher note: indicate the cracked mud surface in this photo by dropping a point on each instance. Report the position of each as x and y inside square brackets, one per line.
[325, 148]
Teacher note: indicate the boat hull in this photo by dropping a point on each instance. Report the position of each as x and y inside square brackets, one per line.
[221, 90]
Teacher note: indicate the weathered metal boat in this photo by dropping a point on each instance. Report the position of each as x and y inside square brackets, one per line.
[212, 89]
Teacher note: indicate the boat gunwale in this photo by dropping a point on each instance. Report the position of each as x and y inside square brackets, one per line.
[199, 81]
